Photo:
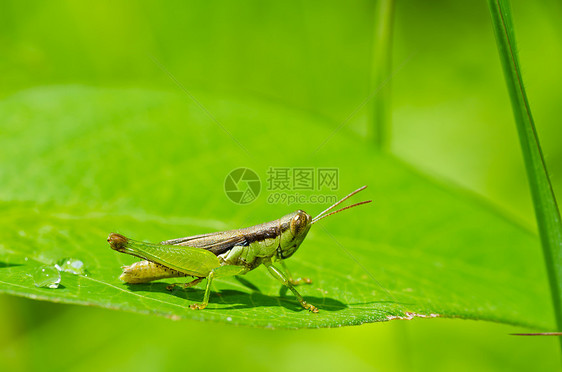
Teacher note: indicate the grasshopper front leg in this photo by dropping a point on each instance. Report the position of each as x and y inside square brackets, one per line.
[277, 274]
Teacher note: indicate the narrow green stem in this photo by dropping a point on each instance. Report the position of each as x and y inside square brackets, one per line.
[544, 200]
[380, 85]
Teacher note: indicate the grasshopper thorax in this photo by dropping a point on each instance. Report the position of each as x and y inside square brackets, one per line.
[293, 230]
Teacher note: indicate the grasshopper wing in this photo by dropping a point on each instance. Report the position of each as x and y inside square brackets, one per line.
[217, 243]
[188, 260]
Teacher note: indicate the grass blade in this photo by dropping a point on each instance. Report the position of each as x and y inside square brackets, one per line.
[382, 45]
[544, 200]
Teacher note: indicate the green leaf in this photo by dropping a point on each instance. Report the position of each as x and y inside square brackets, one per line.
[78, 163]
[544, 200]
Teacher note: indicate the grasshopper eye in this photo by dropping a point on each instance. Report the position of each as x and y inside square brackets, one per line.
[299, 223]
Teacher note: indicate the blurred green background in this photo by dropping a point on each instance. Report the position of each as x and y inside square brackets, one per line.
[451, 118]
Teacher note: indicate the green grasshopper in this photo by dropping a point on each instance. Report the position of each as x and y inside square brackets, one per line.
[223, 253]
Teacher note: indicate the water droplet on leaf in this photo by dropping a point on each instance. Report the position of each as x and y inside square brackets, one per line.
[46, 277]
[71, 265]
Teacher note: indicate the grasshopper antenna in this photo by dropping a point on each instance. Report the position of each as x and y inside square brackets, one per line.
[325, 213]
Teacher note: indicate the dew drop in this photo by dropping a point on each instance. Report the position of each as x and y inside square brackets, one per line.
[71, 265]
[46, 277]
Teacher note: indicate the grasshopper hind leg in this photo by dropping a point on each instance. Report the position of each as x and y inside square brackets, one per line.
[205, 302]
[221, 271]
[185, 285]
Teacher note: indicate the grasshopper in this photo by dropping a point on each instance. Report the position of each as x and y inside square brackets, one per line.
[224, 253]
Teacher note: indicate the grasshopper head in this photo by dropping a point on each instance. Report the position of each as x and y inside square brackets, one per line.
[294, 228]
